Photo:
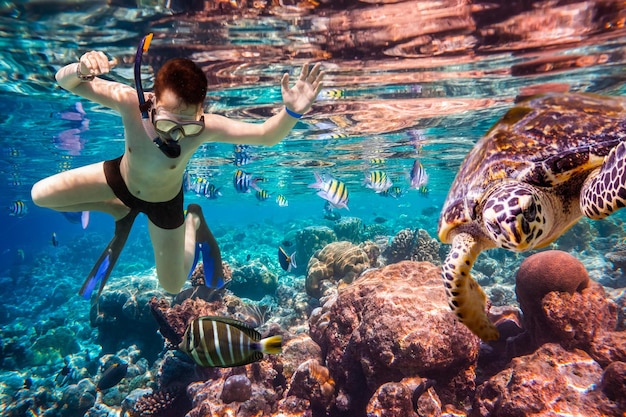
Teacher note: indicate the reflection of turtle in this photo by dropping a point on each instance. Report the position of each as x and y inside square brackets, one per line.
[550, 160]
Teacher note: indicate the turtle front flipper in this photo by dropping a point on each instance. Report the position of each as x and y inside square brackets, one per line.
[465, 296]
[604, 191]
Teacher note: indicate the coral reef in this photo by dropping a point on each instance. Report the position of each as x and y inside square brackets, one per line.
[387, 326]
[164, 403]
[236, 388]
[311, 239]
[122, 317]
[348, 228]
[617, 256]
[312, 382]
[413, 245]
[374, 342]
[540, 274]
[253, 280]
[553, 289]
[198, 288]
[392, 399]
[298, 350]
[337, 261]
[563, 382]
[613, 383]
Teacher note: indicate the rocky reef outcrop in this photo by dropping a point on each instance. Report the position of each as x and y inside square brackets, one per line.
[550, 381]
[561, 305]
[391, 324]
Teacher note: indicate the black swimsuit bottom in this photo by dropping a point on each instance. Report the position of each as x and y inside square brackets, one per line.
[166, 215]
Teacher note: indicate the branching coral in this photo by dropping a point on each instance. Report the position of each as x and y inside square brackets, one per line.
[413, 245]
[165, 403]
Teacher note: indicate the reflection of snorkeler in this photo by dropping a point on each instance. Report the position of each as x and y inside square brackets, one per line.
[148, 178]
[69, 140]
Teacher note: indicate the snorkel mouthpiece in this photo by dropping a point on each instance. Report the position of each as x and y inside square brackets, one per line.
[177, 134]
[170, 148]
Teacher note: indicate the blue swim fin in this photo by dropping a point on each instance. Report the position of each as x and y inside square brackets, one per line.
[208, 247]
[102, 269]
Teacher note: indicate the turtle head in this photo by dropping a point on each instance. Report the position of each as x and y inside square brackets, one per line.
[514, 216]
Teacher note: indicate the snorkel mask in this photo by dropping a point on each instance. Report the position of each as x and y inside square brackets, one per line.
[171, 148]
[172, 128]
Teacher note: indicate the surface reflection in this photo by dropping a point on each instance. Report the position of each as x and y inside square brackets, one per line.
[447, 68]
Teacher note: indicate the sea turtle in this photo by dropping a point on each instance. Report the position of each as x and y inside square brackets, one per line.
[549, 161]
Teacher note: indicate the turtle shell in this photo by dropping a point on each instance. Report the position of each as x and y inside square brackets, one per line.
[546, 141]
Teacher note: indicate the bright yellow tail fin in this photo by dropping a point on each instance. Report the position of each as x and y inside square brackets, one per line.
[272, 345]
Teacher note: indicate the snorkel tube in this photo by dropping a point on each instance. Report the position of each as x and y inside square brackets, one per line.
[170, 148]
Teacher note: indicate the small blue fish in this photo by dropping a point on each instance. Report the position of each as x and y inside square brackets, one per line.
[378, 181]
[331, 190]
[282, 201]
[419, 177]
[287, 262]
[243, 181]
[18, 208]
[262, 195]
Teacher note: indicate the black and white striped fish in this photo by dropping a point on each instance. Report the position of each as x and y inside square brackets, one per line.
[223, 342]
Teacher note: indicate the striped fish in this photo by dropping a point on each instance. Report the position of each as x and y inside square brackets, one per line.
[331, 190]
[17, 208]
[394, 192]
[378, 181]
[242, 157]
[419, 177]
[282, 201]
[243, 181]
[262, 195]
[222, 342]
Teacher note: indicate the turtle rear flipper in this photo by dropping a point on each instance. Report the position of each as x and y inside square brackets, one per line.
[465, 297]
[604, 191]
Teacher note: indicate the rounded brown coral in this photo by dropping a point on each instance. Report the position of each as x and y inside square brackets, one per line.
[336, 261]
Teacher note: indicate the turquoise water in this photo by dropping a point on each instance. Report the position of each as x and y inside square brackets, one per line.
[441, 73]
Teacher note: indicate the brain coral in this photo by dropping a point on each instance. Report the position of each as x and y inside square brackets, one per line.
[336, 261]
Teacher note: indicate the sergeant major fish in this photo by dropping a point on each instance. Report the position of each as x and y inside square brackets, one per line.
[331, 190]
[378, 181]
[243, 181]
[282, 201]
